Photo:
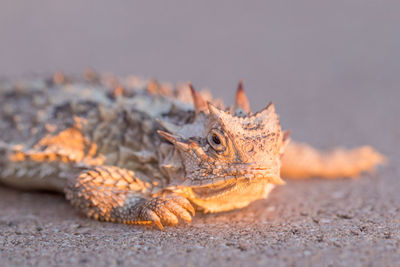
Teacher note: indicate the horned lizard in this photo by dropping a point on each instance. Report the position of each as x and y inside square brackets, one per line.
[136, 152]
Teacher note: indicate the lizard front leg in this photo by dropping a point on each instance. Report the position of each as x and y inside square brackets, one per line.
[114, 194]
[303, 161]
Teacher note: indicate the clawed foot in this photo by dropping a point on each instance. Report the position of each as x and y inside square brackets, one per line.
[166, 210]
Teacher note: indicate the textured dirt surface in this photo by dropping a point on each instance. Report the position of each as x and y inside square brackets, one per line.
[332, 71]
[345, 222]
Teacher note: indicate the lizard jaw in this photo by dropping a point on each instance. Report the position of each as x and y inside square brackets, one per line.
[207, 182]
[225, 196]
[223, 186]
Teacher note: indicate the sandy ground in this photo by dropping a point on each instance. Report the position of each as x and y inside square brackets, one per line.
[329, 223]
[332, 69]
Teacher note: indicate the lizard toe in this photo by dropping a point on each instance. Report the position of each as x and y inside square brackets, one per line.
[166, 216]
[183, 202]
[149, 215]
[179, 211]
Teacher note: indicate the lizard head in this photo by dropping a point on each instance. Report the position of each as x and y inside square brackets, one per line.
[224, 147]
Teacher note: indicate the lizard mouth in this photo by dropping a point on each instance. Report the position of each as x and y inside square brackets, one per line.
[219, 188]
[215, 190]
[255, 174]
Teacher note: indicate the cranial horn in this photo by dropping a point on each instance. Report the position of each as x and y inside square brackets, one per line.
[286, 135]
[271, 107]
[200, 104]
[269, 110]
[174, 140]
[285, 141]
[241, 98]
[215, 111]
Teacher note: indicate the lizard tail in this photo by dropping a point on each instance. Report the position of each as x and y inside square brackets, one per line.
[304, 161]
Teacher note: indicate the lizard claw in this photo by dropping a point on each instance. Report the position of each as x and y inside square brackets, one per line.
[149, 215]
[167, 211]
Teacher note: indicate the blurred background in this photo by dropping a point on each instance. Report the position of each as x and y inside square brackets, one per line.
[325, 64]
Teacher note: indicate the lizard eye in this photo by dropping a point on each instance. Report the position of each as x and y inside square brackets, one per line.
[216, 140]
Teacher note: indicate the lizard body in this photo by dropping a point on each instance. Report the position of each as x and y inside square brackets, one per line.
[140, 152]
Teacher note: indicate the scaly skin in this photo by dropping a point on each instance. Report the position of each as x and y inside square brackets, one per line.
[126, 151]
